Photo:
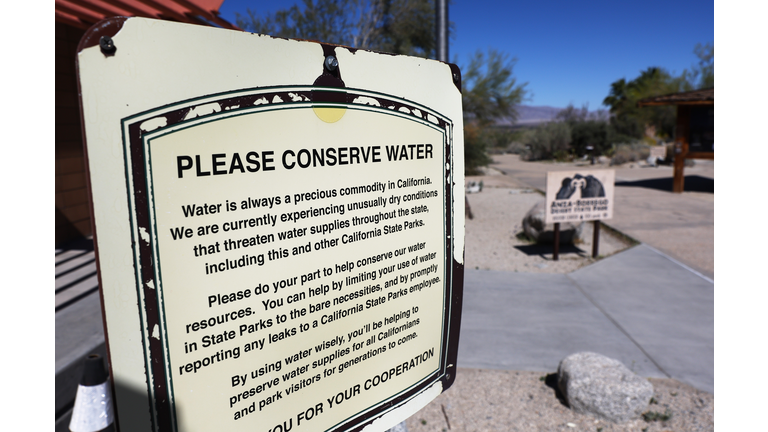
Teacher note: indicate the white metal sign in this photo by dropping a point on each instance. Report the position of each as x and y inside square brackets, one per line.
[275, 226]
[580, 195]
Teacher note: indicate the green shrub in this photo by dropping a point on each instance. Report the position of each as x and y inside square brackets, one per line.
[498, 140]
[548, 141]
[589, 133]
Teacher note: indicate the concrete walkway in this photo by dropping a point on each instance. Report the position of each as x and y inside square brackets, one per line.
[639, 307]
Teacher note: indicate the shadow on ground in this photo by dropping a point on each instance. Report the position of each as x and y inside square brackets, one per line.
[693, 183]
[551, 381]
[546, 249]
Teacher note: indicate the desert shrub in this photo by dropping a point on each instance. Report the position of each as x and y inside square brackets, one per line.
[475, 149]
[480, 142]
[498, 140]
[589, 133]
[515, 147]
[548, 141]
[632, 152]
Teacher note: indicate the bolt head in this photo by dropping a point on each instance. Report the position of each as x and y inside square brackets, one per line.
[106, 44]
[331, 63]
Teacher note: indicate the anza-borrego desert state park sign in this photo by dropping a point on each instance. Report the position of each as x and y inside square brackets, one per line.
[580, 195]
[275, 222]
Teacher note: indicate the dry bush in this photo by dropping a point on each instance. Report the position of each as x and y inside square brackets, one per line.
[633, 152]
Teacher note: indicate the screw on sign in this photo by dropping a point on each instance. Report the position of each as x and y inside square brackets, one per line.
[107, 45]
[331, 63]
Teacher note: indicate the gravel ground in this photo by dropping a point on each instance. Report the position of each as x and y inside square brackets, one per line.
[496, 400]
[493, 400]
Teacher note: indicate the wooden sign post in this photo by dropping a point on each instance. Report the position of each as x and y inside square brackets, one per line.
[579, 196]
[279, 239]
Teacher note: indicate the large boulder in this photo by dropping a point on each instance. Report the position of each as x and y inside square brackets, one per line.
[604, 387]
[541, 232]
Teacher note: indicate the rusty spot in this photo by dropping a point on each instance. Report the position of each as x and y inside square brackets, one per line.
[456, 75]
[106, 27]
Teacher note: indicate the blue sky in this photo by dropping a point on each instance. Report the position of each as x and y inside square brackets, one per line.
[567, 51]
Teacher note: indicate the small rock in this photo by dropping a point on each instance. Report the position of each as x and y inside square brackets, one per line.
[535, 227]
[604, 387]
[474, 187]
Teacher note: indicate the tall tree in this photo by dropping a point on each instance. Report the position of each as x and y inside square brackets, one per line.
[396, 26]
[404, 27]
[702, 75]
[630, 122]
[490, 93]
[587, 130]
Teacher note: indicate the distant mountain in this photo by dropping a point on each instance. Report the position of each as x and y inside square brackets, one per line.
[534, 115]
[531, 115]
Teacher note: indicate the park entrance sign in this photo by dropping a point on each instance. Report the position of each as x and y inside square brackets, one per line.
[579, 196]
[276, 227]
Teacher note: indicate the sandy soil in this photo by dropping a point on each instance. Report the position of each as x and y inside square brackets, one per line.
[492, 400]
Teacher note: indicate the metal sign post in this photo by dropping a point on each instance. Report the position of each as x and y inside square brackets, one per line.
[280, 243]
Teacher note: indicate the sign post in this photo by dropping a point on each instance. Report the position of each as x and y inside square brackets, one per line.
[579, 196]
[279, 238]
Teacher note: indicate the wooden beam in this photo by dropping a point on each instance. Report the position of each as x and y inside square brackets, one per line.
[70, 21]
[105, 9]
[678, 179]
[681, 148]
[166, 10]
[700, 155]
[654, 103]
[84, 14]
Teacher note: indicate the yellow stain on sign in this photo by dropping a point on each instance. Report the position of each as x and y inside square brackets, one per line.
[329, 115]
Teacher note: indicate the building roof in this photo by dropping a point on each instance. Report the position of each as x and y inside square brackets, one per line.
[85, 13]
[695, 97]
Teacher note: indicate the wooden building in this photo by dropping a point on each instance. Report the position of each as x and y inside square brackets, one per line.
[73, 18]
[695, 132]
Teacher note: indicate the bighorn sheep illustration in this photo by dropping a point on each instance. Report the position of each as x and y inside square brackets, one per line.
[589, 186]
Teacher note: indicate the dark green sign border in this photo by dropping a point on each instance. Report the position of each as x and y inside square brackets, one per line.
[146, 261]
